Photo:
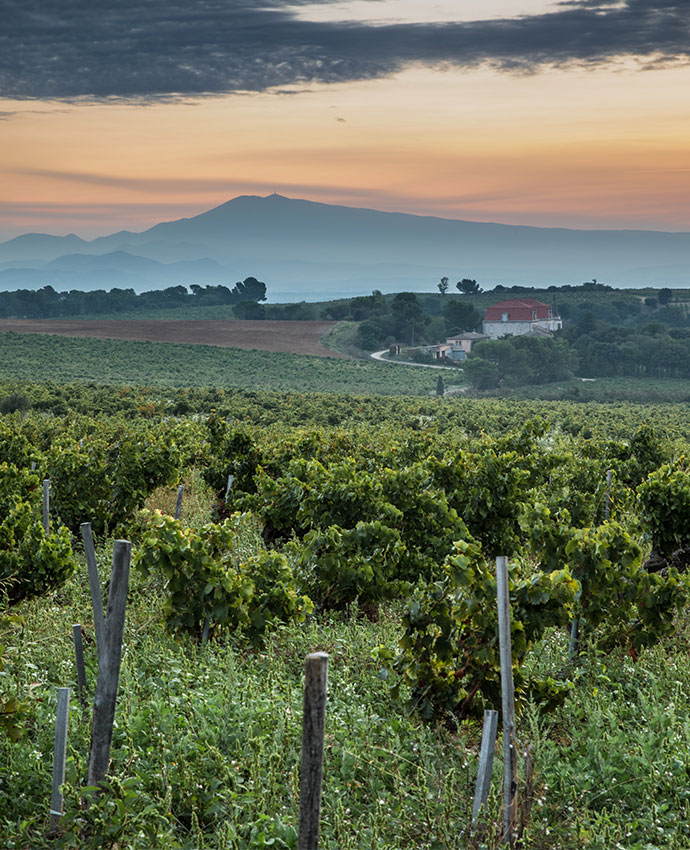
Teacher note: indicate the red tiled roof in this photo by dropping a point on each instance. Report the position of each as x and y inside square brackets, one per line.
[518, 310]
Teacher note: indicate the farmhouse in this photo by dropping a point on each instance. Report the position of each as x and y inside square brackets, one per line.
[455, 348]
[519, 316]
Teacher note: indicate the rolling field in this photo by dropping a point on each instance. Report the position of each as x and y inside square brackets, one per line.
[277, 336]
[66, 359]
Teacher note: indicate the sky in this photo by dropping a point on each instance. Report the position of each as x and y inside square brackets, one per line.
[120, 115]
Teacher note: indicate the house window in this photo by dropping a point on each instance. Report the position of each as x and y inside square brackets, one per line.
[504, 317]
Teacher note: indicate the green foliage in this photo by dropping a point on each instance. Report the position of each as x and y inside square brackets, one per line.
[205, 576]
[461, 316]
[482, 374]
[103, 479]
[31, 564]
[617, 597]
[486, 490]
[13, 711]
[361, 564]
[449, 653]
[664, 504]
[468, 286]
[522, 359]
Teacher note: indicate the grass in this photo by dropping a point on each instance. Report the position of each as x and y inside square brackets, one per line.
[343, 338]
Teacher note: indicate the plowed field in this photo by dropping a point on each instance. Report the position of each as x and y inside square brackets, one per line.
[284, 337]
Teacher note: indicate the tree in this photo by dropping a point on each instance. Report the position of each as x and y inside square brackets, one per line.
[482, 374]
[408, 315]
[249, 310]
[664, 296]
[443, 285]
[467, 286]
[440, 386]
[250, 289]
[461, 316]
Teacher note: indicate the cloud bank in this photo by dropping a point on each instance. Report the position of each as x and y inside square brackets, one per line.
[157, 49]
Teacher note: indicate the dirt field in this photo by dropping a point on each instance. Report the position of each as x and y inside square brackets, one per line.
[284, 337]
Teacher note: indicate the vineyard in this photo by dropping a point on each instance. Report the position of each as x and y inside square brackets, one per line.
[39, 357]
[366, 527]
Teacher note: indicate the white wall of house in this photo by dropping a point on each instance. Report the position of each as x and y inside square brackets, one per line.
[498, 329]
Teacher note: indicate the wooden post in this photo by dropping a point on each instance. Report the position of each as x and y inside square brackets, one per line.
[207, 626]
[311, 771]
[510, 776]
[46, 506]
[574, 642]
[79, 659]
[178, 503]
[231, 478]
[109, 666]
[486, 762]
[95, 587]
[59, 758]
[607, 504]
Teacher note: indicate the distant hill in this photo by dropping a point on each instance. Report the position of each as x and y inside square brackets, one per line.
[307, 250]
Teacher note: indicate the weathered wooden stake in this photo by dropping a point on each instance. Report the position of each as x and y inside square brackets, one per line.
[94, 587]
[486, 762]
[510, 774]
[109, 666]
[59, 758]
[178, 503]
[574, 642]
[231, 478]
[46, 506]
[33, 466]
[79, 659]
[607, 504]
[311, 771]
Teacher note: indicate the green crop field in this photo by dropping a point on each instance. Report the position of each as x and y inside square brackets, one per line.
[364, 526]
[46, 357]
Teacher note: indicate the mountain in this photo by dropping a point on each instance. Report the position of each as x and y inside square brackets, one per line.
[308, 250]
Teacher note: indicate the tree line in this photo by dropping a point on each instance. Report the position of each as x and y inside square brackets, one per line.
[47, 302]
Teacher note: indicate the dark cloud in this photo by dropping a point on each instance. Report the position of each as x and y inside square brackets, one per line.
[157, 49]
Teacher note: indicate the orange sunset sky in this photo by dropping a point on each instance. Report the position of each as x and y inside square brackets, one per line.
[553, 114]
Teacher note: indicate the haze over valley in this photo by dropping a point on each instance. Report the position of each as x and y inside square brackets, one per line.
[314, 251]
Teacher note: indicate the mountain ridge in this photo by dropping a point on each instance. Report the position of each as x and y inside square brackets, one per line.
[308, 249]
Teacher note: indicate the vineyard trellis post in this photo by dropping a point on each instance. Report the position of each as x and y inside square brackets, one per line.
[607, 504]
[178, 502]
[486, 761]
[313, 729]
[109, 665]
[94, 587]
[46, 506]
[510, 778]
[59, 758]
[79, 660]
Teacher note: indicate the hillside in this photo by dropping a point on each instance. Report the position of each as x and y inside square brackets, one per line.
[312, 251]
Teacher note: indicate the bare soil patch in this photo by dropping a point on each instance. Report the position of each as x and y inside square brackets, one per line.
[282, 337]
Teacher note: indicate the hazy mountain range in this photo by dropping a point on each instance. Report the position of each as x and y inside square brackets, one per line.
[306, 250]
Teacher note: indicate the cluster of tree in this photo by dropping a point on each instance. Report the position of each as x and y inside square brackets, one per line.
[403, 319]
[587, 286]
[589, 348]
[467, 286]
[650, 350]
[518, 360]
[48, 303]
